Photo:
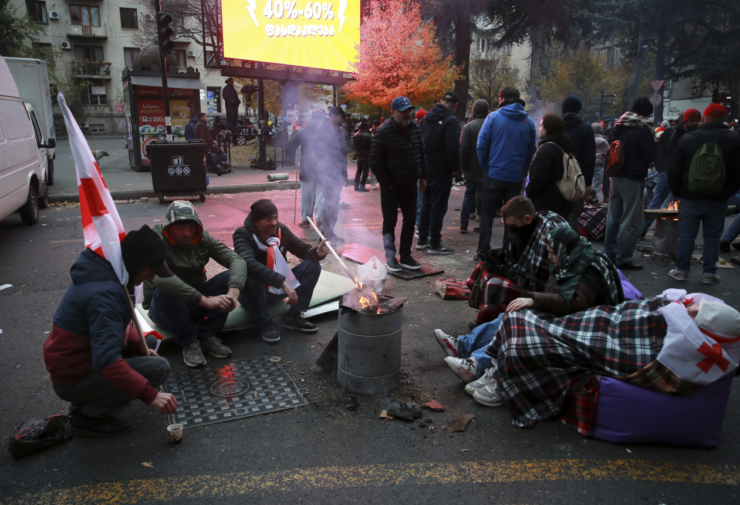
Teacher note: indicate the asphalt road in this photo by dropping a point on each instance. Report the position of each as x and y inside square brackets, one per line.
[325, 453]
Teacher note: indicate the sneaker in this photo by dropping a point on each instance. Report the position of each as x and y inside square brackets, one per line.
[476, 229]
[488, 396]
[410, 263]
[440, 249]
[724, 246]
[362, 190]
[214, 347]
[710, 279]
[304, 224]
[416, 234]
[297, 323]
[97, 427]
[485, 380]
[270, 333]
[629, 266]
[448, 343]
[192, 355]
[343, 205]
[466, 369]
[679, 275]
[736, 245]
[392, 265]
[374, 186]
[472, 217]
[422, 244]
[463, 230]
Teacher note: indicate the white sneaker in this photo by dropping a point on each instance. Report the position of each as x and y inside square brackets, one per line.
[448, 343]
[466, 368]
[485, 380]
[489, 396]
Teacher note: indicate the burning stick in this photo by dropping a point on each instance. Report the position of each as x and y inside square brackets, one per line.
[328, 244]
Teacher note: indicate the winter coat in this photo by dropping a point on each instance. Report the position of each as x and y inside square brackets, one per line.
[91, 328]
[441, 133]
[602, 150]
[303, 139]
[246, 247]
[363, 141]
[231, 97]
[690, 143]
[640, 151]
[550, 301]
[202, 132]
[188, 263]
[584, 146]
[506, 143]
[667, 146]
[396, 161]
[329, 153]
[468, 153]
[547, 169]
[190, 129]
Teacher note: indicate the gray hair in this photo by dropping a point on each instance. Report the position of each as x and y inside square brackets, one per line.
[597, 128]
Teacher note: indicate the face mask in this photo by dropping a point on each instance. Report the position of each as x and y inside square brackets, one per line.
[523, 231]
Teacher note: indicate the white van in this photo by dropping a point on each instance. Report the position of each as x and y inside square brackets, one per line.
[22, 165]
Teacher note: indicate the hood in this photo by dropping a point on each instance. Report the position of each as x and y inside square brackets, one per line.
[181, 211]
[513, 111]
[91, 267]
[561, 138]
[438, 113]
[480, 109]
[572, 120]
[513, 100]
[193, 120]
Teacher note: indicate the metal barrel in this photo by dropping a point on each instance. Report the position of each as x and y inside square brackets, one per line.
[665, 241]
[369, 352]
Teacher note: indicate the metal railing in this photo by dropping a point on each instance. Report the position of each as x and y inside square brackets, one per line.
[91, 69]
[77, 29]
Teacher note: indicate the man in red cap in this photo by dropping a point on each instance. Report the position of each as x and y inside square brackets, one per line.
[666, 147]
[419, 116]
[704, 172]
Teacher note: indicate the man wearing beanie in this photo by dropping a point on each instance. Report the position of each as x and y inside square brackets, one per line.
[188, 304]
[624, 221]
[666, 149]
[584, 148]
[92, 327]
[263, 242]
[704, 173]
[419, 116]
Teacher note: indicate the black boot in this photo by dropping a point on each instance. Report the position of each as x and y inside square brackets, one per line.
[101, 427]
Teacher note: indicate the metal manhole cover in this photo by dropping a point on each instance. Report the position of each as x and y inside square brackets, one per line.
[225, 392]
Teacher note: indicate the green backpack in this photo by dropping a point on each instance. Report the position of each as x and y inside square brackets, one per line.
[707, 170]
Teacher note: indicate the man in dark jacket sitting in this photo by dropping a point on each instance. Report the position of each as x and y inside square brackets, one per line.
[263, 242]
[215, 155]
[92, 326]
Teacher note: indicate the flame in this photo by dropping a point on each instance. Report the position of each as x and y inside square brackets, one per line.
[673, 205]
[375, 295]
[370, 303]
[364, 302]
[378, 312]
[358, 284]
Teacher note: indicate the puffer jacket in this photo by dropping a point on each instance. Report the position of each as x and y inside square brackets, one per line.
[441, 133]
[584, 146]
[468, 152]
[602, 150]
[188, 263]
[396, 161]
[546, 170]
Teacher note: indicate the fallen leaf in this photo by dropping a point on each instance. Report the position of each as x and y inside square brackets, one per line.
[433, 405]
[145, 463]
[384, 415]
[458, 424]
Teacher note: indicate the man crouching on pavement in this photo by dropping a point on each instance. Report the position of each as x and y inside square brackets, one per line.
[91, 327]
[263, 242]
[188, 305]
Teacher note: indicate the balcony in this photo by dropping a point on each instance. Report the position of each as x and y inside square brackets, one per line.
[91, 69]
[87, 31]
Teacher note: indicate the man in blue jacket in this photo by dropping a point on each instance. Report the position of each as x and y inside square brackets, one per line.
[506, 145]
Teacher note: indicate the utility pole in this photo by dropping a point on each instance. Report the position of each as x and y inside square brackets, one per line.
[261, 121]
[164, 34]
[638, 66]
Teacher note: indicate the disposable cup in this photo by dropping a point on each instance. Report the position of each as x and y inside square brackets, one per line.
[175, 431]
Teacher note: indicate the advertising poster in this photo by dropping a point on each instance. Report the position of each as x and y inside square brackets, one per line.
[180, 113]
[151, 124]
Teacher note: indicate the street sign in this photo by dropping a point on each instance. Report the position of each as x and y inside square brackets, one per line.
[657, 85]
[656, 100]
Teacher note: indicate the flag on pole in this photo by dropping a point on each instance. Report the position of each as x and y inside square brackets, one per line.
[101, 223]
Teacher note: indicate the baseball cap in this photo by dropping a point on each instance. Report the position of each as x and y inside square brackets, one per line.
[716, 110]
[337, 111]
[451, 96]
[691, 114]
[401, 104]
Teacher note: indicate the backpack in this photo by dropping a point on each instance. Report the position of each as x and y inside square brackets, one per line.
[707, 170]
[573, 185]
[616, 158]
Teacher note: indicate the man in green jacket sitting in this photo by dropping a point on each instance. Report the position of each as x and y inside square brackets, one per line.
[187, 299]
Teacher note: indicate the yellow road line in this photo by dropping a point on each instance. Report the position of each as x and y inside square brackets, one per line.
[173, 489]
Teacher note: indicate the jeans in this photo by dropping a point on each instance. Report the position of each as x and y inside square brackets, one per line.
[661, 192]
[328, 212]
[495, 194]
[363, 168]
[469, 202]
[711, 215]
[733, 231]
[97, 396]
[476, 343]
[597, 181]
[256, 298]
[623, 223]
[214, 159]
[190, 322]
[390, 201]
[311, 195]
[433, 209]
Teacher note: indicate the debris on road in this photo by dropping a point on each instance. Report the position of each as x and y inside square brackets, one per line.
[433, 405]
[450, 289]
[5, 286]
[384, 415]
[147, 464]
[406, 411]
[459, 423]
[354, 403]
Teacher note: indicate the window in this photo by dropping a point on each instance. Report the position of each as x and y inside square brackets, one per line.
[85, 15]
[89, 53]
[506, 49]
[181, 57]
[129, 18]
[37, 11]
[97, 128]
[129, 55]
[210, 58]
[36, 128]
[94, 94]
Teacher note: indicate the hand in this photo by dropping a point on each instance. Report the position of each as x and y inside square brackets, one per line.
[292, 295]
[165, 403]
[520, 304]
[323, 249]
[233, 295]
[423, 184]
[152, 352]
[221, 302]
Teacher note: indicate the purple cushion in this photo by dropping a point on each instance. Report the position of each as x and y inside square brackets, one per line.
[630, 292]
[629, 413]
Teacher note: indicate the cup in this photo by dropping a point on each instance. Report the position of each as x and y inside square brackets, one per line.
[175, 431]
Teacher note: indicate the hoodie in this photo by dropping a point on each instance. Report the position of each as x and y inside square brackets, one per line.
[468, 154]
[441, 133]
[584, 145]
[506, 143]
[188, 263]
[190, 128]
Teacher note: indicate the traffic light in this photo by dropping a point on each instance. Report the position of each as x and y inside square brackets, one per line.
[164, 33]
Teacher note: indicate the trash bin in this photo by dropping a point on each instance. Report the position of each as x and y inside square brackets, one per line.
[178, 168]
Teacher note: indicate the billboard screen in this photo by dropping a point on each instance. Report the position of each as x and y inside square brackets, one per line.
[293, 32]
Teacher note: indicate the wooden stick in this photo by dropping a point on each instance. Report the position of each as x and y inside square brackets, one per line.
[328, 244]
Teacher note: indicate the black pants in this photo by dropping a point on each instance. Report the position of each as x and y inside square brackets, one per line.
[390, 201]
[232, 116]
[434, 209]
[363, 169]
[495, 194]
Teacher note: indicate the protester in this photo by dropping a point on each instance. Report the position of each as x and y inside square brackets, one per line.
[362, 141]
[217, 160]
[704, 172]
[263, 243]
[623, 225]
[547, 167]
[584, 148]
[311, 195]
[91, 328]
[664, 125]
[419, 116]
[231, 101]
[470, 165]
[506, 145]
[190, 128]
[398, 160]
[441, 131]
[602, 153]
[187, 304]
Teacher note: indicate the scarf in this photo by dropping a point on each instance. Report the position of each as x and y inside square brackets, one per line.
[632, 120]
[276, 262]
[576, 256]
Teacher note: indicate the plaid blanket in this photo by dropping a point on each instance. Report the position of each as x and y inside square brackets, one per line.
[539, 357]
[593, 222]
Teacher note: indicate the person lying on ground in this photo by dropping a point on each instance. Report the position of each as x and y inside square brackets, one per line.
[188, 304]
[580, 278]
[92, 328]
[263, 242]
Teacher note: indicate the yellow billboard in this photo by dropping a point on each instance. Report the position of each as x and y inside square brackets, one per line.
[293, 32]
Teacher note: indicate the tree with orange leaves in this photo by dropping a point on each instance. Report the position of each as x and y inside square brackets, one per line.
[399, 56]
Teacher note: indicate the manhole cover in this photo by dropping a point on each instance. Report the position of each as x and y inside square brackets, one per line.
[225, 392]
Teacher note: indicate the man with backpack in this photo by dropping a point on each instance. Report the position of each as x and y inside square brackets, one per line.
[704, 173]
[583, 140]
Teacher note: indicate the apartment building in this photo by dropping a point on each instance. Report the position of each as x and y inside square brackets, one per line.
[519, 54]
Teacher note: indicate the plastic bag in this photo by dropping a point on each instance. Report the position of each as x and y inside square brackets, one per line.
[37, 434]
[372, 272]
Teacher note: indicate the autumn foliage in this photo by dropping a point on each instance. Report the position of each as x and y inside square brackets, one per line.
[399, 56]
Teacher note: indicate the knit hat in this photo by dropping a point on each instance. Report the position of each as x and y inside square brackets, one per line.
[451, 96]
[665, 124]
[262, 209]
[718, 318]
[553, 122]
[597, 128]
[716, 110]
[508, 93]
[572, 104]
[144, 248]
[691, 114]
[642, 107]
[421, 113]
